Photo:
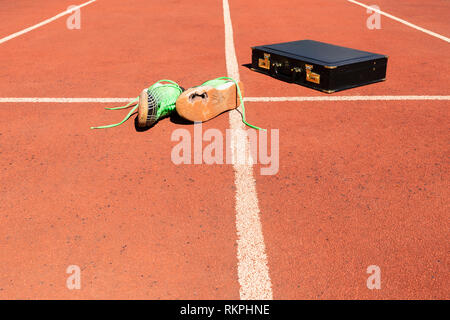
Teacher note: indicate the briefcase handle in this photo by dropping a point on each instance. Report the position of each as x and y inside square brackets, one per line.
[295, 71]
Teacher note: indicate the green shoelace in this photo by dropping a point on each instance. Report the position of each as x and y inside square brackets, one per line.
[222, 80]
[163, 95]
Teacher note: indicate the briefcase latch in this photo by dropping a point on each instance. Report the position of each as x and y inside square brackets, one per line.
[264, 63]
[311, 76]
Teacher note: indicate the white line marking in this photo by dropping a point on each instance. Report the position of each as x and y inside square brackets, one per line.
[431, 33]
[344, 98]
[66, 100]
[247, 99]
[19, 33]
[253, 270]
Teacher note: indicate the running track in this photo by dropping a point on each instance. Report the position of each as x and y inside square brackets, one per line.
[360, 182]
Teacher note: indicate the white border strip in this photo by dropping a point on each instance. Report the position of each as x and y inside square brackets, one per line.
[247, 99]
[253, 270]
[65, 100]
[19, 33]
[409, 24]
[345, 98]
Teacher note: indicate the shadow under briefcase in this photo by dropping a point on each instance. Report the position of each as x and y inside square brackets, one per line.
[322, 66]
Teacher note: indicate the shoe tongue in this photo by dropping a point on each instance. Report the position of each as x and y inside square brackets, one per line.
[157, 85]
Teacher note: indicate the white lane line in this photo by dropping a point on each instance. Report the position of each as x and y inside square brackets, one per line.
[344, 98]
[253, 270]
[19, 33]
[409, 24]
[247, 99]
[65, 100]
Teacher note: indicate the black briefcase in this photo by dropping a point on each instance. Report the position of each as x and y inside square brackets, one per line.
[319, 65]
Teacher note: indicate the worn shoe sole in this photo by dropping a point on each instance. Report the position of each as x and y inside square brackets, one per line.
[205, 102]
[143, 109]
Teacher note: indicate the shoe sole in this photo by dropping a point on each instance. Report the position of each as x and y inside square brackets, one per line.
[205, 102]
[143, 109]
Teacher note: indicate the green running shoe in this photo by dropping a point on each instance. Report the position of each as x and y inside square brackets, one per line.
[153, 104]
